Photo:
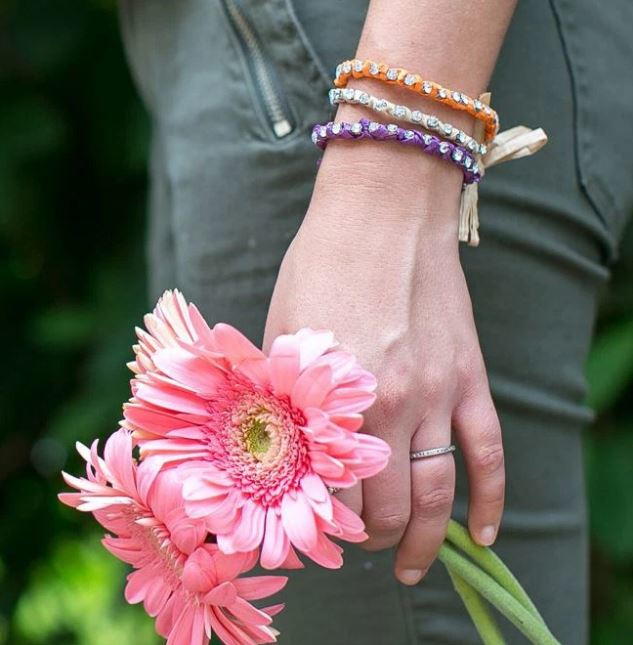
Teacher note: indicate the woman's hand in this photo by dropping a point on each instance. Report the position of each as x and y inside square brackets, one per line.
[376, 261]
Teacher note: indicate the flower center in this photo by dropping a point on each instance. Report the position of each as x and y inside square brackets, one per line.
[158, 549]
[257, 437]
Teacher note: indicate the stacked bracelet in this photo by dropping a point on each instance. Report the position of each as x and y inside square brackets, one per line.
[414, 82]
[428, 143]
[402, 112]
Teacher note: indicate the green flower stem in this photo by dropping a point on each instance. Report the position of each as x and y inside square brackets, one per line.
[531, 626]
[490, 562]
[483, 620]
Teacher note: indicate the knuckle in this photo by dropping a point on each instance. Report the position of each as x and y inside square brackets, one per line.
[386, 525]
[434, 503]
[393, 397]
[470, 371]
[490, 460]
[434, 385]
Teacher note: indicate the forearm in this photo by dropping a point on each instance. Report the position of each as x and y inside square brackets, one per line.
[452, 42]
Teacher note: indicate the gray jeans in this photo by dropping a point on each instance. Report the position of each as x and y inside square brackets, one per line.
[231, 174]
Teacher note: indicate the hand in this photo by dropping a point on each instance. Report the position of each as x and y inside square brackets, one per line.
[378, 263]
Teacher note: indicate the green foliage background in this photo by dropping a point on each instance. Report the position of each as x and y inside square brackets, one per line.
[73, 143]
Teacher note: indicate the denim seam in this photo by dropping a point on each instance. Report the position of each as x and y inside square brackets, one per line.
[598, 195]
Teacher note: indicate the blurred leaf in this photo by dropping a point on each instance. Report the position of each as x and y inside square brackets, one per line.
[610, 365]
[610, 479]
[78, 591]
[31, 126]
[62, 328]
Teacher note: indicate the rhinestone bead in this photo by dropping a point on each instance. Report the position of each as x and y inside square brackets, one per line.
[346, 67]
[399, 111]
[392, 74]
[381, 105]
[409, 134]
[427, 87]
[314, 136]
[339, 69]
[432, 122]
[478, 105]
[336, 128]
[468, 162]
[461, 137]
[475, 168]
[456, 97]
[373, 126]
[457, 155]
[427, 138]
[374, 69]
[465, 99]
[409, 79]
[472, 145]
[416, 116]
[442, 93]
[358, 65]
[348, 93]
[447, 128]
[357, 128]
[364, 98]
[392, 128]
[483, 149]
[444, 147]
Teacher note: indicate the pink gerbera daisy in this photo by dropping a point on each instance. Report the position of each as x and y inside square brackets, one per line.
[189, 586]
[259, 438]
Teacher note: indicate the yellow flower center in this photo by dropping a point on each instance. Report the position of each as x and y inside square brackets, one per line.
[256, 438]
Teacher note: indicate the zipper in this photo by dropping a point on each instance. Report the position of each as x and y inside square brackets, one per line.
[262, 71]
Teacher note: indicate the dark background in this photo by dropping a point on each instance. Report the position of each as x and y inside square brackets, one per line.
[73, 143]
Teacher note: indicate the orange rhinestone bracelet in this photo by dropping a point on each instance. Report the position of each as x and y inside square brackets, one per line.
[397, 76]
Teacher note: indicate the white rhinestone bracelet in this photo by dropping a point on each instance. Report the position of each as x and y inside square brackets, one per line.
[402, 112]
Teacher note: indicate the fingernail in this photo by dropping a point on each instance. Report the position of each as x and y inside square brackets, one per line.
[488, 535]
[409, 576]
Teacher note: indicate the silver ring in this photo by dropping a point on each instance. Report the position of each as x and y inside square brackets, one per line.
[431, 452]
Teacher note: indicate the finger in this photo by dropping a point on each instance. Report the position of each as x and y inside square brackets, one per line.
[387, 495]
[432, 493]
[352, 498]
[478, 432]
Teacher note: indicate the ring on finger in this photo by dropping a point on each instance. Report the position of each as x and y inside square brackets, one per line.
[431, 452]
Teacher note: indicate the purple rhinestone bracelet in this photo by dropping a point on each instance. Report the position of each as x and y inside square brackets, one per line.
[428, 143]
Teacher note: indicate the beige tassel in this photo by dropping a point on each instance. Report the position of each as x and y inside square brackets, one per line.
[468, 216]
[512, 144]
[468, 212]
